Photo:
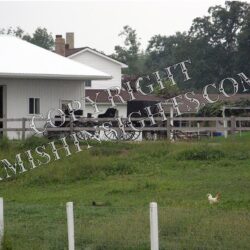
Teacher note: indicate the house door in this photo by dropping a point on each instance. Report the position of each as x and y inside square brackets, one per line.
[2, 106]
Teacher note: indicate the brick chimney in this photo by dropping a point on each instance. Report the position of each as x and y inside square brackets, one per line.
[60, 45]
[70, 39]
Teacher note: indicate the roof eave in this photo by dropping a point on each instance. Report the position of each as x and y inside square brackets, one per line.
[54, 76]
[107, 103]
[123, 65]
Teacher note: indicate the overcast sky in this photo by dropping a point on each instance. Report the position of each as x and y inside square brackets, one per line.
[97, 23]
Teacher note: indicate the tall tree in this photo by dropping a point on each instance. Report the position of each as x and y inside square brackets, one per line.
[244, 45]
[164, 51]
[217, 44]
[130, 52]
[42, 38]
[223, 33]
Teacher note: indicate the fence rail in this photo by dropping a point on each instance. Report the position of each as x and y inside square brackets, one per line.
[183, 124]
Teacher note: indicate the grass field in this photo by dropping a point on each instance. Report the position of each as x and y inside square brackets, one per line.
[126, 177]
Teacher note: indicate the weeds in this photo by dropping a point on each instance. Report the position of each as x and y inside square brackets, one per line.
[4, 143]
[128, 176]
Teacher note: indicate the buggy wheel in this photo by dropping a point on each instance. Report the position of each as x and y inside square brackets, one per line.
[111, 135]
[136, 135]
[150, 136]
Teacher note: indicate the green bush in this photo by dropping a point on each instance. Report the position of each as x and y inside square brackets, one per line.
[201, 154]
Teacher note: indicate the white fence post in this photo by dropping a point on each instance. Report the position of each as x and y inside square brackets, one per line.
[225, 125]
[198, 130]
[70, 222]
[171, 122]
[1, 220]
[154, 238]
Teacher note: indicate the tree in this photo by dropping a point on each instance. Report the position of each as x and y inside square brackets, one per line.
[217, 44]
[169, 90]
[163, 51]
[18, 32]
[130, 52]
[224, 33]
[211, 110]
[244, 45]
[40, 37]
[166, 49]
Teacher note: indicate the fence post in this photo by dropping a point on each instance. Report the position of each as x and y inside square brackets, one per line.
[1, 220]
[168, 129]
[71, 124]
[154, 238]
[224, 121]
[198, 130]
[171, 123]
[240, 127]
[233, 124]
[70, 223]
[23, 128]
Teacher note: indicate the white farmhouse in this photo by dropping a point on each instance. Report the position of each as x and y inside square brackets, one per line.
[100, 61]
[34, 80]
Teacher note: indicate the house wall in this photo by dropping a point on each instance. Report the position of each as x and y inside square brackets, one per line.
[103, 65]
[50, 92]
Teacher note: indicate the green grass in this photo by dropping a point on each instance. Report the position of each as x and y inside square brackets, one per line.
[126, 177]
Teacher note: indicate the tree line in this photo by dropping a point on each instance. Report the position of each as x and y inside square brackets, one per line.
[41, 37]
[217, 44]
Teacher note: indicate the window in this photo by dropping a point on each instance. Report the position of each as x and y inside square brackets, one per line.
[34, 106]
[88, 83]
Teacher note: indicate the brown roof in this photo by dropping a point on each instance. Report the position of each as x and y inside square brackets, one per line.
[103, 96]
[183, 103]
[186, 106]
[69, 52]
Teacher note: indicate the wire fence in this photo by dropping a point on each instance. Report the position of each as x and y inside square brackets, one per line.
[44, 227]
[35, 226]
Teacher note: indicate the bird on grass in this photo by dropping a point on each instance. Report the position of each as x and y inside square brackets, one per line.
[213, 200]
[99, 203]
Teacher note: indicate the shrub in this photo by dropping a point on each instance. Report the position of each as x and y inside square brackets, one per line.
[203, 154]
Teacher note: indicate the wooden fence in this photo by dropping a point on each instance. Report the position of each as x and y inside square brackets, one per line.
[183, 124]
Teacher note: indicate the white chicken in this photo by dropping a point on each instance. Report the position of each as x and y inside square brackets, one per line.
[213, 200]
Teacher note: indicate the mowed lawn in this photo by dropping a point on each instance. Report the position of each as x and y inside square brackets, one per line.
[124, 178]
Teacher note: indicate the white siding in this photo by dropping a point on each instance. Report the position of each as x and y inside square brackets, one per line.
[50, 93]
[103, 65]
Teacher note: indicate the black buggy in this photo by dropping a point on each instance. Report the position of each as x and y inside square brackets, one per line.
[139, 106]
[111, 131]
